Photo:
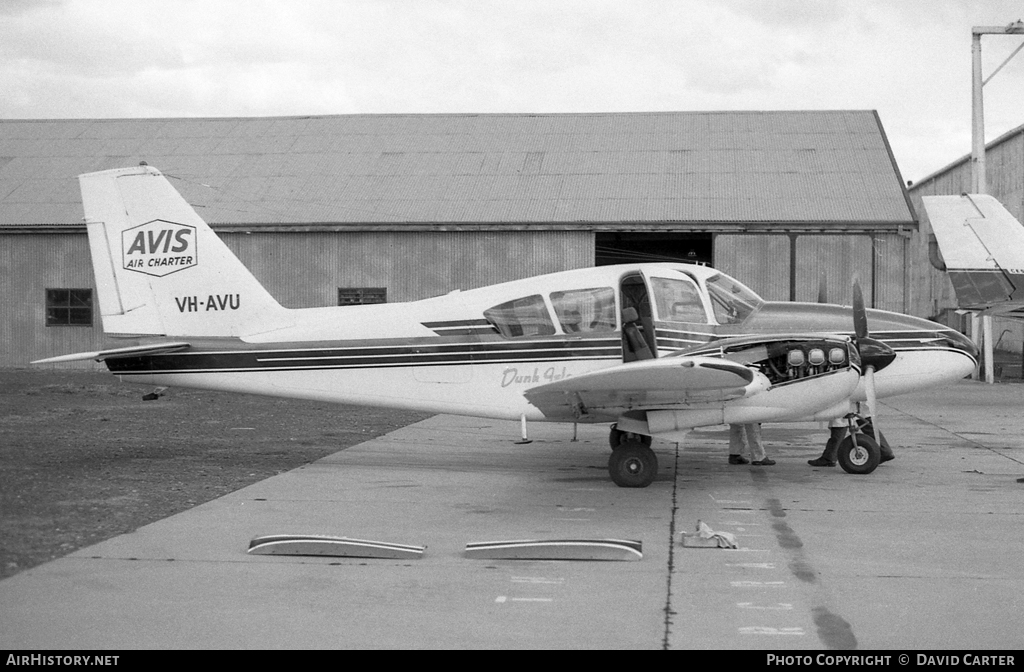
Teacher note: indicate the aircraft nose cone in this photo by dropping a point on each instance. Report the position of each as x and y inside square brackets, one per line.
[960, 342]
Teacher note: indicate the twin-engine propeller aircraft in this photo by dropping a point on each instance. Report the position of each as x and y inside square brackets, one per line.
[656, 349]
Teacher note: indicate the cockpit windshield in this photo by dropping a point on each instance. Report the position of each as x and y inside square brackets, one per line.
[732, 301]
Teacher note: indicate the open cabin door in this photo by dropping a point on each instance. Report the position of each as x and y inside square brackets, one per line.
[638, 338]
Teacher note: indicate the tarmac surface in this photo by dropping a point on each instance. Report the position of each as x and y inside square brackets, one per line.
[925, 553]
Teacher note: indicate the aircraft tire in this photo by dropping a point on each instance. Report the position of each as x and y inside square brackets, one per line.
[617, 438]
[861, 458]
[633, 465]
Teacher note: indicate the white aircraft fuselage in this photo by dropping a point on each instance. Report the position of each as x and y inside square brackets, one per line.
[444, 355]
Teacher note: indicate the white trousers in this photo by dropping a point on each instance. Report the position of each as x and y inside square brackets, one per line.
[744, 438]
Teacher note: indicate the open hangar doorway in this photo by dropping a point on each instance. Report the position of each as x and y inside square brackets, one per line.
[643, 247]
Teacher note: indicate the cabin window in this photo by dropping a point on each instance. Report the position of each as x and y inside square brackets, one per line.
[69, 307]
[732, 301]
[678, 300]
[585, 309]
[356, 296]
[523, 317]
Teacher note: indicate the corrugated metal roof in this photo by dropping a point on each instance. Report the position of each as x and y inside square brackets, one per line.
[828, 167]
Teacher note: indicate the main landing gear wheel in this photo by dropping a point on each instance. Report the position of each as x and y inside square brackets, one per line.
[619, 438]
[860, 457]
[633, 465]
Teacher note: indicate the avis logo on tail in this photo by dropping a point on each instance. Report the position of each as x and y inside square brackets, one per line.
[159, 248]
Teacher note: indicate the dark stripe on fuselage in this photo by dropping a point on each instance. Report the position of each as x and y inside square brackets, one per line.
[420, 354]
[479, 322]
[478, 327]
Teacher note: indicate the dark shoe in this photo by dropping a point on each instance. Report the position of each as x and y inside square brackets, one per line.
[738, 459]
[766, 462]
[821, 462]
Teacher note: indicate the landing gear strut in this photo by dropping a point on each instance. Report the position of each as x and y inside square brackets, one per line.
[619, 437]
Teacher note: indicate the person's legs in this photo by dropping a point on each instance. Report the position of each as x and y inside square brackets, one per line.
[828, 456]
[757, 454]
[737, 444]
[754, 441]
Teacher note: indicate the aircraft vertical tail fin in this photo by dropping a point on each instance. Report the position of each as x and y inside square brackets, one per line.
[160, 269]
[982, 250]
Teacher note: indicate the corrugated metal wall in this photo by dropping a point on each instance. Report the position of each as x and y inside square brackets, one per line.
[29, 265]
[305, 270]
[839, 258]
[763, 262]
[758, 260]
[892, 275]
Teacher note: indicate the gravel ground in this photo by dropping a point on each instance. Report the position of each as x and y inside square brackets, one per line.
[83, 458]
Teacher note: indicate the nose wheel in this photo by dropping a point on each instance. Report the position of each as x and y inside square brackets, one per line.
[859, 455]
[859, 452]
[633, 465]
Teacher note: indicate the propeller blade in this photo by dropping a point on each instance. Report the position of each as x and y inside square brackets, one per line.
[869, 390]
[873, 353]
[860, 315]
[823, 289]
[874, 356]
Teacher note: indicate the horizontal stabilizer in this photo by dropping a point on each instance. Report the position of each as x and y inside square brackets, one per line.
[131, 351]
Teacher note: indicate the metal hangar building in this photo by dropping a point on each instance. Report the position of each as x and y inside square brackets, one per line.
[329, 210]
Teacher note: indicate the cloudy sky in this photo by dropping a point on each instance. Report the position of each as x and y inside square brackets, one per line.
[908, 59]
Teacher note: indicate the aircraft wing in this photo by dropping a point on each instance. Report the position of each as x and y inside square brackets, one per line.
[982, 247]
[130, 351]
[670, 382]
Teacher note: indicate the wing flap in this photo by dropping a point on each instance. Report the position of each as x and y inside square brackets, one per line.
[672, 382]
[130, 351]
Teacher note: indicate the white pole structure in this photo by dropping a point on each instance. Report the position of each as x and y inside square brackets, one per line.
[977, 117]
[978, 175]
[976, 339]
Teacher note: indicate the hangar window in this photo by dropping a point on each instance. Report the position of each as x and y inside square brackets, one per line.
[355, 296]
[69, 307]
[585, 309]
[523, 317]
